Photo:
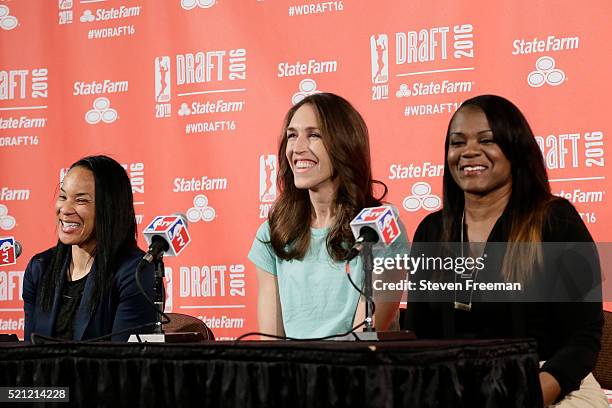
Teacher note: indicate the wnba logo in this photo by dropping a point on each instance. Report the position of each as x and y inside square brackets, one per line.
[268, 171]
[162, 79]
[267, 178]
[379, 50]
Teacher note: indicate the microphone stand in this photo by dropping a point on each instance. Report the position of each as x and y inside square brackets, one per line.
[369, 332]
[368, 266]
[159, 297]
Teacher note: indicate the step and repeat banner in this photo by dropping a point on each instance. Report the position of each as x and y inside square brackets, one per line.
[190, 95]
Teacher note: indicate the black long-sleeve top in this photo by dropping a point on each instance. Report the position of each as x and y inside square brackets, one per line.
[568, 333]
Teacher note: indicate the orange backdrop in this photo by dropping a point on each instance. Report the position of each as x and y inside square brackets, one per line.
[190, 95]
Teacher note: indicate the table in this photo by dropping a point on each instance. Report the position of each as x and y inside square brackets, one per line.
[474, 373]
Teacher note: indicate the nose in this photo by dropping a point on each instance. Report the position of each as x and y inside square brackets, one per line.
[65, 208]
[301, 143]
[471, 149]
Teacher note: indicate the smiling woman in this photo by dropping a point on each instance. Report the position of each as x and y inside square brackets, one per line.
[75, 208]
[325, 179]
[84, 287]
[496, 191]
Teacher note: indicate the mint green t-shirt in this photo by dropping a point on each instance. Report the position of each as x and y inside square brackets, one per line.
[316, 297]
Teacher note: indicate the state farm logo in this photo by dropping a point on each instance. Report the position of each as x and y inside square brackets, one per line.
[201, 210]
[190, 4]
[434, 88]
[7, 22]
[184, 110]
[312, 67]
[162, 79]
[545, 73]
[110, 14]
[101, 112]
[307, 87]
[105, 86]
[7, 222]
[422, 198]
[379, 50]
[87, 17]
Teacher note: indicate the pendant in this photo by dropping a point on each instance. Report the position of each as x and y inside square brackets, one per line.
[467, 274]
[463, 306]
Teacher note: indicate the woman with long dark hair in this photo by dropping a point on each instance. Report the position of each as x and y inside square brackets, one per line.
[496, 194]
[325, 179]
[84, 287]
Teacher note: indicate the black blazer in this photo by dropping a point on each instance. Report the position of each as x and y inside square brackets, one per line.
[123, 307]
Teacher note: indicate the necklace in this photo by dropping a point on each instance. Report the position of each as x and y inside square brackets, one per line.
[466, 307]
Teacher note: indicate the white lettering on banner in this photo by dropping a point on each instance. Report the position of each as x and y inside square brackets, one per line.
[95, 88]
[316, 8]
[211, 66]
[11, 141]
[588, 217]
[6, 194]
[286, 69]
[223, 322]
[562, 151]
[137, 180]
[207, 281]
[219, 106]
[12, 324]
[109, 32]
[431, 44]
[136, 174]
[551, 43]
[11, 285]
[14, 84]
[116, 13]
[202, 184]
[210, 127]
[427, 169]
[580, 196]
[22, 122]
[438, 88]
[431, 109]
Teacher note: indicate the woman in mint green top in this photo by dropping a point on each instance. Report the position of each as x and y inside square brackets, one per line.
[325, 179]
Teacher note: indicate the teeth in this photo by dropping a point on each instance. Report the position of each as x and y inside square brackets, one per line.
[304, 164]
[70, 224]
[473, 168]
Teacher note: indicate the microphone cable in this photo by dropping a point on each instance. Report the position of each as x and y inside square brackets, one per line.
[347, 269]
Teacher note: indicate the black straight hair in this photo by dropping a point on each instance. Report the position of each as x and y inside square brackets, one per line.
[114, 230]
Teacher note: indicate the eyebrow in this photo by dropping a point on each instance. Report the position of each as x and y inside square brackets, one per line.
[307, 129]
[77, 194]
[461, 133]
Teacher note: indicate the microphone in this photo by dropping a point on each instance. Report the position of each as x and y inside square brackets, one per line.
[372, 225]
[166, 234]
[10, 249]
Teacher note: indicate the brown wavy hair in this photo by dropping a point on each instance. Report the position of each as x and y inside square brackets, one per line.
[530, 198]
[345, 137]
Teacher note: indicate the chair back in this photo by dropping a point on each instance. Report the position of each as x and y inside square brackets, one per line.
[182, 323]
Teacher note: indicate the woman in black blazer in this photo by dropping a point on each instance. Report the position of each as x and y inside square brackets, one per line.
[85, 287]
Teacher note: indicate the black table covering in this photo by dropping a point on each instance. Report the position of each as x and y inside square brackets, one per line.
[492, 373]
